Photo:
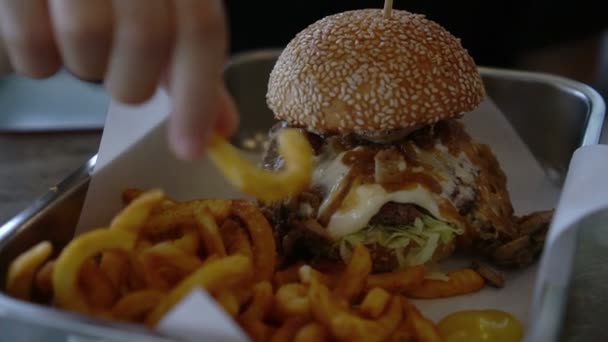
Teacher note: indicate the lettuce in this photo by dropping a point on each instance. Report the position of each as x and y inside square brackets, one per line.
[412, 244]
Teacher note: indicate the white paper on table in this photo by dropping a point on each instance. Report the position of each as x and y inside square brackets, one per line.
[147, 162]
[199, 318]
[585, 192]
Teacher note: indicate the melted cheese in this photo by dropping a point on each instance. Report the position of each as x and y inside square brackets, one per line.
[329, 174]
[367, 201]
[364, 201]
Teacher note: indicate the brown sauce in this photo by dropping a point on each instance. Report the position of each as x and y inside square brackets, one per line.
[362, 163]
[337, 201]
[411, 179]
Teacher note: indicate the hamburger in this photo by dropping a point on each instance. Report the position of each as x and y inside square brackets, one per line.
[379, 99]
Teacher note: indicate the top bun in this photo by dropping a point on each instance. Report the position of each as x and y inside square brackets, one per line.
[358, 71]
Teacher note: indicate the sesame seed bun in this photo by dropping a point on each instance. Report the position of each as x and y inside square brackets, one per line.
[358, 71]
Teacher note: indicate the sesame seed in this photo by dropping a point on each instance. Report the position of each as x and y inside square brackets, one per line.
[398, 59]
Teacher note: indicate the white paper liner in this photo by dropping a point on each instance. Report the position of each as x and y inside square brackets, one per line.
[585, 192]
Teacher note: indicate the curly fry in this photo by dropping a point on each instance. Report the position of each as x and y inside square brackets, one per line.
[209, 232]
[73, 256]
[131, 194]
[229, 302]
[165, 219]
[265, 185]
[115, 265]
[189, 241]
[22, 270]
[346, 326]
[289, 329]
[256, 330]
[262, 302]
[307, 273]
[252, 319]
[423, 329]
[134, 306]
[235, 238]
[289, 275]
[133, 216]
[311, 332]
[96, 286]
[292, 299]
[136, 277]
[352, 280]
[212, 276]
[260, 231]
[44, 278]
[459, 283]
[165, 255]
[398, 281]
[374, 302]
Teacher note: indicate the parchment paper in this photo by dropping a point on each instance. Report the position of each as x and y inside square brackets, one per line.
[585, 192]
[142, 159]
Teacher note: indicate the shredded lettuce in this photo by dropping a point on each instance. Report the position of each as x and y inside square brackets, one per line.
[412, 244]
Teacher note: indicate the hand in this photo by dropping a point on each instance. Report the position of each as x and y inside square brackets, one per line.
[134, 46]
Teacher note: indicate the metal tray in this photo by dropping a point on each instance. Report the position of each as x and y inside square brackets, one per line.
[568, 114]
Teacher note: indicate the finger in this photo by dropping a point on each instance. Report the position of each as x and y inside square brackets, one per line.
[195, 76]
[27, 34]
[227, 116]
[141, 45]
[83, 30]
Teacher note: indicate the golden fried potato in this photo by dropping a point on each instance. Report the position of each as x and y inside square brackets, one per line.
[22, 270]
[460, 282]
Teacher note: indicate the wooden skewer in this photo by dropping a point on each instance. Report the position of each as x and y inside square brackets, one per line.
[388, 6]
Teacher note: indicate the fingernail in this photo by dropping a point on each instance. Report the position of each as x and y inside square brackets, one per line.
[185, 147]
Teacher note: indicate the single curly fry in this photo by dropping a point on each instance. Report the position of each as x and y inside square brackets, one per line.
[459, 283]
[398, 281]
[253, 318]
[130, 194]
[134, 215]
[168, 258]
[23, 269]
[292, 299]
[265, 185]
[257, 331]
[67, 267]
[236, 238]
[115, 265]
[288, 275]
[134, 306]
[189, 242]
[353, 279]
[374, 303]
[312, 332]
[44, 278]
[421, 327]
[262, 302]
[215, 274]
[96, 286]
[262, 238]
[307, 273]
[229, 302]
[288, 330]
[209, 232]
[168, 217]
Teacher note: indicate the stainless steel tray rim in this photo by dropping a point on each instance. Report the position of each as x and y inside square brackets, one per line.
[593, 98]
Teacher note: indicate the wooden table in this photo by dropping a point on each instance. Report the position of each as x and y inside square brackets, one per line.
[32, 163]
